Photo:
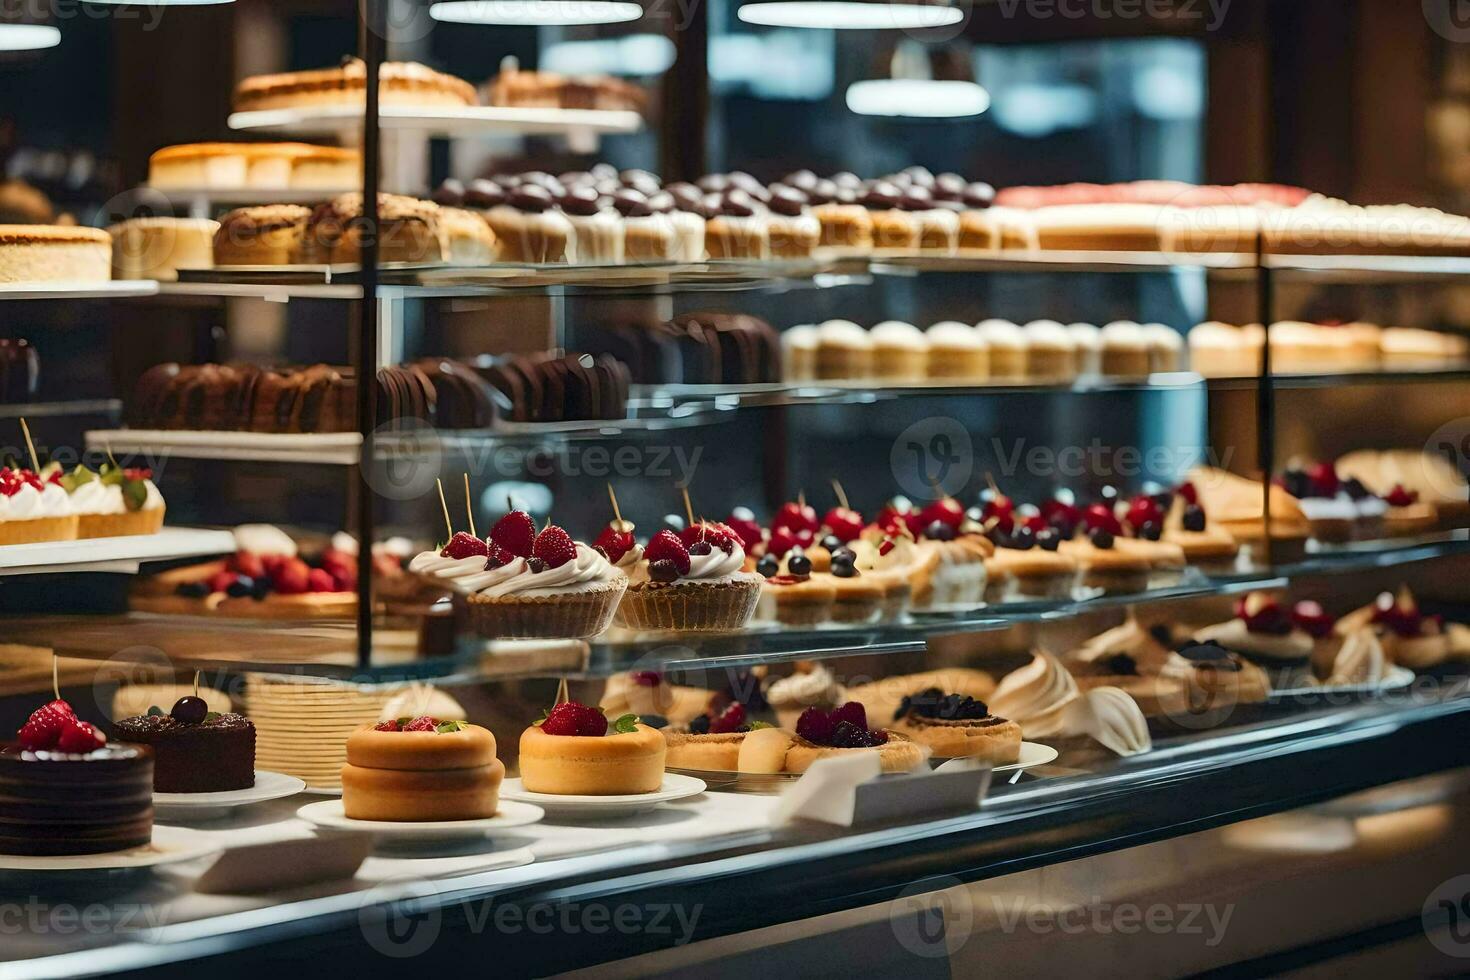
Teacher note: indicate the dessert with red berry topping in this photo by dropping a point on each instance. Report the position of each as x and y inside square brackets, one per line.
[195, 750]
[112, 502]
[794, 593]
[696, 586]
[1264, 632]
[421, 769]
[1206, 545]
[897, 564]
[960, 548]
[1029, 561]
[1235, 504]
[1436, 481]
[1337, 509]
[34, 509]
[842, 522]
[957, 726]
[713, 740]
[821, 734]
[576, 751]
[1108, 563]
[1411, 638]
[67, 791]
[810, 686]
[1408, 514]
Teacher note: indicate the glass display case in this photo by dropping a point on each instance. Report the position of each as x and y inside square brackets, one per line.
[1208, 558]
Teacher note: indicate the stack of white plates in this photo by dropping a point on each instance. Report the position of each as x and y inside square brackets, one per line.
[302, 724]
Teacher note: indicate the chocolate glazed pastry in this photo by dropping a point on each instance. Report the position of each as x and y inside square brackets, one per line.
[464, 399]
[543, 388]
[20, 371]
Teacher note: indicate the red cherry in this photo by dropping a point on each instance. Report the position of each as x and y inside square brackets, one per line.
[844, 523]
[465, 545]
[1324, 479]
[1401, 497]
[220, 581]
[1144, 510]
[782, 541]
[80, 737]
[1000, 507]
[1035, 522]
[744, 524]
[945, 510]
[423, 723]
[1100, 515]
[796, 516]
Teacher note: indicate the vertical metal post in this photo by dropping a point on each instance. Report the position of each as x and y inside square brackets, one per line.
[373, 44]
[1265, 395]
[685, 115]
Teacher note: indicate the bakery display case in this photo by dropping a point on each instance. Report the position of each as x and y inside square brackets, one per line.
[462, 513]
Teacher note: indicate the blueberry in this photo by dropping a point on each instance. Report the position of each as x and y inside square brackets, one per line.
[1049, 539]
[1354, 488]
[799, 564]
[843, 567]
[1101, 538]
[193, 590]
[1150, 531]
[939, 531]
[768, 566]
[1194, 518]
[654, 721]
[243, 586]
[1023, 538]
[699, 726]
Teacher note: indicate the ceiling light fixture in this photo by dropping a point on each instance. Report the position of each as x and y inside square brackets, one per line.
[851, 14]
[535, 13]
[917, 98]
[28, 37]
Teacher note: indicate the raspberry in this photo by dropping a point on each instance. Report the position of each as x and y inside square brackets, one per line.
[516, 533]
[852, 711]
[391, 725]
[555, 547]
[423, 723]
[320, 580]
[571, 718]
[724, 537]
[665, 545]
[614, 543]
[464, 545]
[815, 726]
[247, 564]
[80, 737]
[46, 724]
[729, 720]
[221, 581]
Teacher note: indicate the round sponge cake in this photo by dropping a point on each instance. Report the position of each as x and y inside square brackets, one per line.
[421, 776]
[584, 765]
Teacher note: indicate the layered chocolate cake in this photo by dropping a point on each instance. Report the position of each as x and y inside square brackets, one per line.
[547, 388]
[695, 348]
[54, 802]
[20, 371]
[196, 750]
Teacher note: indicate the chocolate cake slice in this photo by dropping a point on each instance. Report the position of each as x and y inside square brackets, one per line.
[213, 755]
[60, 803]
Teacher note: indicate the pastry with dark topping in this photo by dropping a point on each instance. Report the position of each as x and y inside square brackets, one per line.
[529, 227]
[794, 231]
[195, 750]
[597, 230]
[956, 726]
[739, 227]
[893, 227]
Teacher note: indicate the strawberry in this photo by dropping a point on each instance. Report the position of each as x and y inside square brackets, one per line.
[46, 724]
[729, 720]
[80, 737]
[666, 545]
[247, 564]
[423, 723]
[220, 581]
[571, 718]
[554, 546]
[614, 543]
[516, 533]
[292, 577]
[744, 524]
[391, 725]
[498, 557]
[320, 580]
[464, 545]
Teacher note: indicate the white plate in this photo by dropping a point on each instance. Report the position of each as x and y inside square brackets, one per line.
[674, 787]
[171, 845]
[1396, 678]
[268, 786]
[1032, 754]
[328, 813]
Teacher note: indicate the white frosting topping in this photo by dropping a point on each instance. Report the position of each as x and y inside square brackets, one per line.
[815, 687]
[1036, 696]
[1049, 333]
[1123, 333]
[951, 333]
[97, 497]
[454, 571]
[843, 333]
[802, 335]
[589, 570]
[29, 504]
[1001, 333]
[1085, 334]
[1110, 716]
[1162, 335]
[1235, 635]
[716, 564]
[896, 333]
[264, 539]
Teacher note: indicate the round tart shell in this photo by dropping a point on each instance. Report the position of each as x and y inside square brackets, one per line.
[899, 754]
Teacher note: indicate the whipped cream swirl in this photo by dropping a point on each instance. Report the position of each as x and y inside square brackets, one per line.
[588, 571]
[97, 497]
[29, 504]
[716, 564]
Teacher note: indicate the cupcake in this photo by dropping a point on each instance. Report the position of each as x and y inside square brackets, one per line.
[597, 231]
[845, 223]
[1007, 346]
[893, 228]
[939, 227]
[1219, 350]
[528, 228]
[844, 351]
[957, 726]
[979, 229]
[794, 231]
[900, 352]
[695, 586]
[1165, 347]
[799, 347]
[684, 206]
[738, 227]
[813, 687]
[1088, 340]
[114, 502]
[957, 352]
[1051, 354]
[1125, 351]
[648, 236]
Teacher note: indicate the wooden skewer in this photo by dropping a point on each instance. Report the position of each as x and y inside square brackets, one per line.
[990, 480]
[841, 497]
[444, 506]
[562, 696]
[619, 524]
[688, 507]
[196, 682]
[56, 676]
[469, 507]
[30, 446]
[509, 503]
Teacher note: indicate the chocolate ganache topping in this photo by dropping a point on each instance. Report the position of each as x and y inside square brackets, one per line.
[787, 201]
[631, 203]
[1209, 655]
[581, 200]
[530, 197]
[482, 193]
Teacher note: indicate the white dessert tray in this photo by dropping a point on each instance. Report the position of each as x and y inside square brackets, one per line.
[195, 806]
[1395, 678]
[1032, 754]
[674, 787]
[446, 121]
[329, 814]
[122, 555]
[171, 845]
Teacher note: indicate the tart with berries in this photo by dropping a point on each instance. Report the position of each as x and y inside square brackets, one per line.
[575, 751]
[1106, 560]
[793, 593]
[1234, 503]
[421, 769]
[883, 697]
[648, 693]
[34, 509]
[957, 726]
[823, 734]
[113, 502]
[1338, 510]
[713, 740]
[1408, 514]
[527, 583]
[1411, 638]
[960, 548]
[692, 580]
[195, 750]
[1264, 632]
[67, 791]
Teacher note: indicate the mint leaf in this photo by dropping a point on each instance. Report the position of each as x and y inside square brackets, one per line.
[545, 713]
[626, 725]
[448, 727]
[155, 710]
[756, 726]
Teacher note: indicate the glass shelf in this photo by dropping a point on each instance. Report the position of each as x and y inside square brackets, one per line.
[105, 289]
[110, 407]
[1437, 373]
[122, 554]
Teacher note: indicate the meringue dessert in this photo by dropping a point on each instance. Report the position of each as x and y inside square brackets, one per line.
[814, 687]
[575, 751]
[1036, 696]
[956, 726]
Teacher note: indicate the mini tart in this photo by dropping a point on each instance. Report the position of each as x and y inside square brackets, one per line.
[1207, 686]
[856, 599]
[400, 83]
[581, 765]
[882, 698]
[563, 615]
[1036, 572]
[1416, 518]
[39, 529]
[894, 229]
[1234, 504]
[1213, 549]
[1114, 570]
[421, 776]
[687, 605]
[899, 754]
[54, 253]
[958, 577]
[994, 740]
[719, 751]
[1160, 555]
[796, 600]
[148, 520]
